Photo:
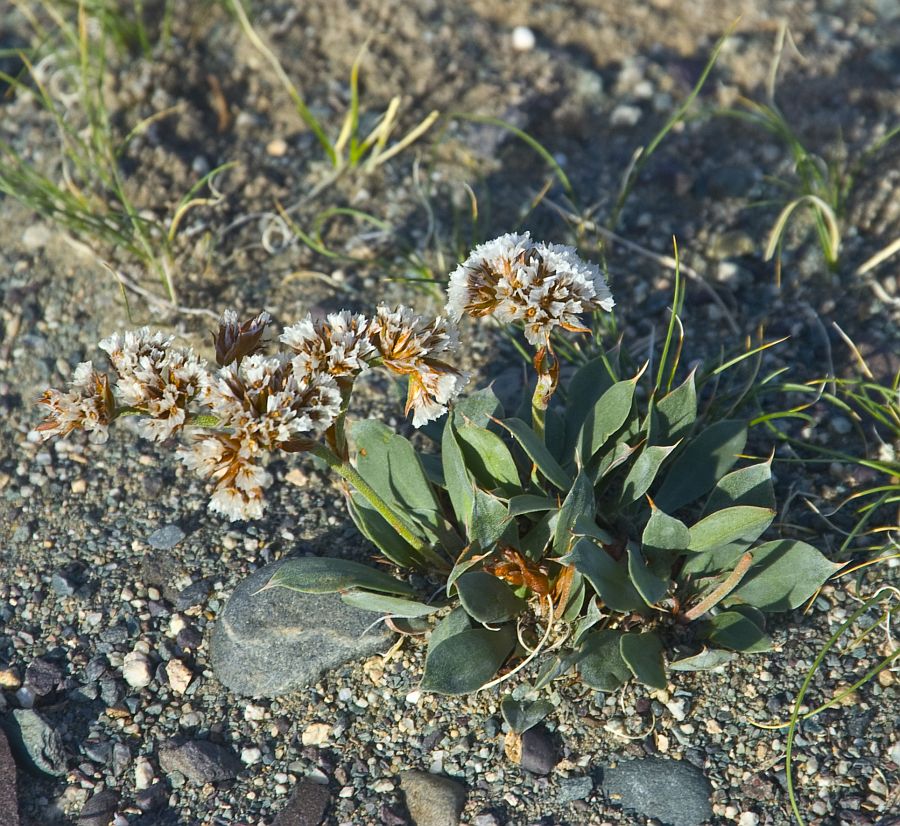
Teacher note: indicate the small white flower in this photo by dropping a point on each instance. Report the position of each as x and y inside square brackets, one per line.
[89, 406]
[338, 346]
[541, 286]
[236, 504]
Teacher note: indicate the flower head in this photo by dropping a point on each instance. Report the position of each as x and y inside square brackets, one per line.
[410, 347]
[159, 380]
[235, 340]
[89, 405]
[540, 285]
[338, 346]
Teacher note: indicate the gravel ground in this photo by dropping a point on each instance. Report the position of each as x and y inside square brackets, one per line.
[113, 570]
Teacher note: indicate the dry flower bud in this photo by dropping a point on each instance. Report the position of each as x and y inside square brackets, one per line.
[89, 405]
[234, 341]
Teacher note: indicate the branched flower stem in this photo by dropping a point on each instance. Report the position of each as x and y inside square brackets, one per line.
[346, 471]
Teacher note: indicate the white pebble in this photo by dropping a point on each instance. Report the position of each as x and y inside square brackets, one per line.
[748, 819]
[179, 675]
[625, 115]
[176, 624]
[315, 734]
[250, 756]
[413, 697]
[136, 670]
[252, 712]
[143, 773]
[523, 39]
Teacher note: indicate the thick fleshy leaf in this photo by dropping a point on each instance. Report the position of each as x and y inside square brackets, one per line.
[606, 417]
[478, 407]
[538, 453]
[521, 715]
[601, 665]
[578, 504]
[454, 623]
[643, 654]
[607, 577]
[648, 584]
[733, 630]
[704, 460]
[374, 527]
[607, 461]
[589, 383]
[534, 543]
[488, 458]
[675, 413]
[460, 486]
[391, 606]
[468, 558]
[784, 574]
[554, 667]
[462, 663]
[324, 575]
[747, 486]
[577, 593]
[588, 527]
[390, 464]
[706, 660]
[487, 599]
[742, 522]
[664, 534]
[528, 503]
[489, 520]
[643, 472]
[555, 434]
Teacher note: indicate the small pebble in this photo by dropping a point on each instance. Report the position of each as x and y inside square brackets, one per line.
[136, 670]
[277, 148]
[179, 675]
[523, 39]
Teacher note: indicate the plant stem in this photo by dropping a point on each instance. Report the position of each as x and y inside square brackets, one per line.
[346, 471]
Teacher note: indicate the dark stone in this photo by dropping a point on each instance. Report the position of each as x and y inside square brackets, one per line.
[35, 743]
[111, 690]
[121, 759]
[270, 643]
[200, 761]
[539, 753]
[305, 807]
[99, 752]
[193, 594]
[62, 585]
[153, 798]
[165, 538]
[161, 570]
[9, 801]
[574, 788]
[95, 668]
[43, 677]
[432, 800]
[100, 809]
[189, 638]
[675, 792]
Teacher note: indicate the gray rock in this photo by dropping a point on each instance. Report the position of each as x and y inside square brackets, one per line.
[200, 761]
[43, 676]
[539, 754]
[306, 805]
[675, 792]
[432, 800]
[36, 743]
[165, 538]
[270, 643]
[153, 798]
[574, 788]
[9, 801]
[100, 809]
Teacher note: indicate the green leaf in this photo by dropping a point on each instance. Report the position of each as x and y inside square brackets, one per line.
[609, 460]
[589, 383]
[743, 522]
[706, 660]
[538, 537]
[784, 574]
[592, 616]
[374, 527]
[733, 630]
[521, 715]
[390, 464]
[478, 407]
[469, 557]
[462, 663]
[675, 413]
[577, 593]
[324, 575]
[601, 665]
[460, 487]
[391, 606]
[488, 458]
[555, 434]
[643, 471]
[490, 519]
[704, 460]
[650, 586]
[579, 503]
[487, 599]
[607, 577]
[643, 654]
[748, 486]
[606, 417]
[528, 503]
[538, 453]
[454, 623]
[664, 534]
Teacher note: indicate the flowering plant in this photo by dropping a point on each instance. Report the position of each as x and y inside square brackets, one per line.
[598, 531]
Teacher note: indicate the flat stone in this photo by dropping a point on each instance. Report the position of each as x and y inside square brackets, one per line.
[200, 761]
[271, 643]
[165, 538]
[43, 676]
[432, 800]
[306, 805]
[100, 809]
[539, 754]
[674, 791]
[574, 788]
[35, 742]
[9, 801]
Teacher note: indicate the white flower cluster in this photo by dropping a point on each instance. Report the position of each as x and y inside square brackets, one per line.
[539, 285]
[88, 405]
